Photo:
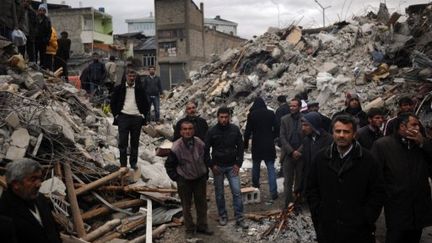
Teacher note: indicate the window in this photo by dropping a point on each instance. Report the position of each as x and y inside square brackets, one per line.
[169, 34]
[168, 49]
[149, 59]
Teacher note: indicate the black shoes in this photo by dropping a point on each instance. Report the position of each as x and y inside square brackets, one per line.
[241, 224]
[205, 231]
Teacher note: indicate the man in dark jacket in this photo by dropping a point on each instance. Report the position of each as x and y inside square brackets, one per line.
[315, 139]
[8, 17]
[63, 53]
[128, 106]
[226, 143]
[200, 124]
[367, 135]
[25, 206]
[27, 21]
[186, 166]
[96, 75]
[153, 88]
[261, 125]
[405, 157]
[281, 111]
[353, 108]
[345, 188]
[291, 140]
[406, 104]
[43, 34]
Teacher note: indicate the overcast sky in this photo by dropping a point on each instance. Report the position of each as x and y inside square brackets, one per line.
[253, 16]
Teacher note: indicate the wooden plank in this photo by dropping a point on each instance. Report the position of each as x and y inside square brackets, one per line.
[104, 210]
[108, 226]
[101, 181]
[76, 215]
[149, 228]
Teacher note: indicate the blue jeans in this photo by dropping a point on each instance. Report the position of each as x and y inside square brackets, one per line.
[155, 101]
[271, 172]
[234, 182]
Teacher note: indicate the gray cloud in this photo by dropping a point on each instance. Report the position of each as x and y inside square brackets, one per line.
[253, 16]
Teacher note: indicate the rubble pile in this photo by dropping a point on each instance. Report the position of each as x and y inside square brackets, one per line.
[44, 118]
[376, 57]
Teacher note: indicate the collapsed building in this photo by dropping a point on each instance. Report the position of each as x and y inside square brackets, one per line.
[52, 122]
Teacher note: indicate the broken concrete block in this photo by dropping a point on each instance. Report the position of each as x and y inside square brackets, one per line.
[13, 120]
[329, 67]
[20, 138]
[34, 79]
[15, 153]
[53, 185]
[294, 36]
[51, 118]
[151, 131]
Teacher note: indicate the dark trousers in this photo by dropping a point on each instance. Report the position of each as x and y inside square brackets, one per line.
[198, 190]
[6, 32]
[62, 63]
[129, 128]
[293, 174]
[403, 236]
[41, 53]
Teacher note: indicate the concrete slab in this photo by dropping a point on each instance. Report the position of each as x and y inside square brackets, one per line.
[20, 138]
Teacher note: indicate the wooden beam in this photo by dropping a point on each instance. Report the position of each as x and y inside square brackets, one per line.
[101, 181]
[108, 226]
[137, 189]
[104, 210]
[76, 215]
[123, 229]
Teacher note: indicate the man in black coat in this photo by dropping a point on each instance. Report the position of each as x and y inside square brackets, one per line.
[345, 188]
[313, 106]
[43, 34]
[281, 111]
[25, 206]
[129, 106]
[353, 108]
[63, 53]
[153, 86]
[406, 104]
[405, 157]
[261, 125]
[226, 144]
[367, 135]
[200, 124]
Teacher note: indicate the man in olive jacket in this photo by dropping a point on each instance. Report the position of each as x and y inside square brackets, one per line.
[345, 188]
[405, 157]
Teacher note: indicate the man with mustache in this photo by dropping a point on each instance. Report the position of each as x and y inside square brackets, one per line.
[25, 206]
[405, 157]
[345, 189]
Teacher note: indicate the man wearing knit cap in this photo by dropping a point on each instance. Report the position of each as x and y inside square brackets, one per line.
[316, 138]
[43, 33]
[367, 135]
[326, 122]
[353, 108]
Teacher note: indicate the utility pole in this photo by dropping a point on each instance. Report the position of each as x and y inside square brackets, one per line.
[323, 10]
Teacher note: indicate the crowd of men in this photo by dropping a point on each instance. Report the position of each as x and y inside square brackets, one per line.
[31, 31]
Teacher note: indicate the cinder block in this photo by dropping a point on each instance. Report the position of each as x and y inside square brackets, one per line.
[251, 195]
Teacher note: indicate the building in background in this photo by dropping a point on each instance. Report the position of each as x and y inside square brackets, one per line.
[89, 29]
[184, 43]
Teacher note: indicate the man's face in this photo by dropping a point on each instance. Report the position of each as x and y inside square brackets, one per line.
[26, 3]
[190, 109]
[187, 130]
[223, 119]
[152, 71]
[41, 12]
[131, 79]
[376, 121]
[354, 104]
[412, 127]
[406, 107]
[294, 106]
[313, 108]
[306, 128]
[28, 188]
[343, 134]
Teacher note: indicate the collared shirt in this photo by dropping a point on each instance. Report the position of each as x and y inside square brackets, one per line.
[130, 106]
[343, 155]
[36, 214]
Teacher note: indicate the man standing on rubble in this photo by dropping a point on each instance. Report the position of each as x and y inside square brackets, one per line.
[27, 20]
[406, 104]
[63, 53]
[153, 86]
[111, 68]
[200, 124]
[367, 135]
[261, 125]
[225, 141]
[96, 75]
[25, 206]
[280, 112]
[405, 157]
[186, 166]
[43, 34]
[129, 106]
[291, 141]
[345, 189]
